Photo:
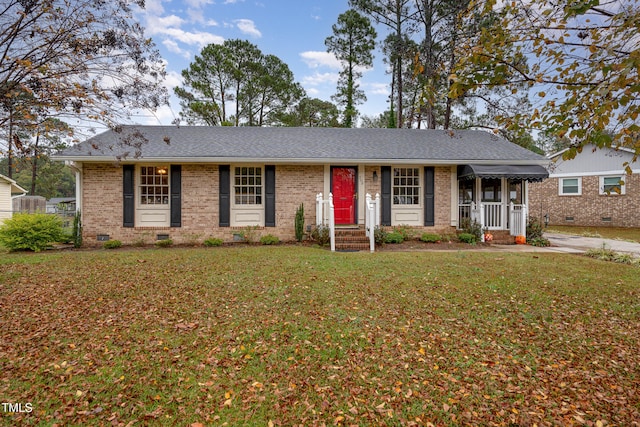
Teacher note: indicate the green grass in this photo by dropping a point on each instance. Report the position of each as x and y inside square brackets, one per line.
[301, 336]
[620, 233]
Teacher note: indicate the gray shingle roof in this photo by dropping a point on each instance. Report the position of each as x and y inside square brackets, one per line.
[302, 145]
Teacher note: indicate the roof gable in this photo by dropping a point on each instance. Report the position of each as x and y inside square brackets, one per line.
[300, 145]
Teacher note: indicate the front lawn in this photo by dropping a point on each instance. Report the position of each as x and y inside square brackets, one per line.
[292, 335]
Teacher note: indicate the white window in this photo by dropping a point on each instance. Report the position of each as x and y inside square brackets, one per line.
[247, 186]
[406, 186]
[612, 185]
[570, 186]
[154, 185]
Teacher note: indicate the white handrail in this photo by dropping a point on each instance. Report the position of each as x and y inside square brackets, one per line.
[325, 217]
[372, 219]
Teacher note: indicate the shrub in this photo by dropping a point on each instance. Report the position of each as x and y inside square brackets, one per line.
[535, 229]
[405, 231]
[321, 235]
[112, 244]
[77, 230]
[269, 240]
[539, 241]
[31, 232]
[164, 243]
[380, 236]
[467, 238]
[211, 242]
[394, 237]
[430, 238]
[471, 227]
[299, 223]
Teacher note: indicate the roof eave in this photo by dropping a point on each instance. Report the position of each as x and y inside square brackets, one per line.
[298, 161]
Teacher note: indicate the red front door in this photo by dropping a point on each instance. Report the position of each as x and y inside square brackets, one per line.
[343, 183]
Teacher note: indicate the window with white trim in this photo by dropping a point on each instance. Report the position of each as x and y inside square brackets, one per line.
[154, 185]
[247, 186]
[570, 186]
[406, 186]
[612, 185]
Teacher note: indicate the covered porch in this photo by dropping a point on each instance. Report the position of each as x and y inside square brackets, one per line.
[496, 196]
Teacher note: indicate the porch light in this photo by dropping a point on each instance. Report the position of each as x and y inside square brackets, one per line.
[375, 176]
[546, 220]
[162, 170]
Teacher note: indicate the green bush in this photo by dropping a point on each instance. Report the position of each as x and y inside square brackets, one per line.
[431, 238]
[394, 237]
[213, 242]
[321, 235]
[31, 232]
[467, 238]
[535, 229]
[77, 230]
[164, 243]
[405, 231]
[112, 244]
[471, 227]
[539, 241]
[380, 236]
[299, 223]
[269, 240]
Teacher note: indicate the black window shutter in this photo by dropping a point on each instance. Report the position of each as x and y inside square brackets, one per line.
[386, 195]
[270, 196]
[225, 191]
[128, 200]
[176, 195]
[429, 196]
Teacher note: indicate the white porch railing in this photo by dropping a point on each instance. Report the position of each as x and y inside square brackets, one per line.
[518, 220]
[325, 217]
[372, 219]
[491, 216]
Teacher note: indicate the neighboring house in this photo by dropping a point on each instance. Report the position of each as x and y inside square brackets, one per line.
[61, 205]
[590, 190]
[199, 182]
[9, 189]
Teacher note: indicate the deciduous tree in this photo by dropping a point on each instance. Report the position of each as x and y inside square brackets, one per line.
[86, 59]
[580, 58]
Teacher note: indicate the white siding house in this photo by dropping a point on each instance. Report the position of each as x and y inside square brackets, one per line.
[8, 188]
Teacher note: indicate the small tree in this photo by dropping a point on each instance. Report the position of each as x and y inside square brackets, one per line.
[300, 223]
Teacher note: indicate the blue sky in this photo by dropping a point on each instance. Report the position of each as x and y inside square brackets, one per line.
[292, 30]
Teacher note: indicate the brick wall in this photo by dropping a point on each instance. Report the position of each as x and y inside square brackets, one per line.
[588, 209]
[102, 203]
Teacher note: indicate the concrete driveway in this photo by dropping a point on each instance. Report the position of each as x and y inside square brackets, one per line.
[579, 244]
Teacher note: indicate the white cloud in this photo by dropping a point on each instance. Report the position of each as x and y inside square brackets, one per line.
[378, 89]
[212, 23]
[232, 1]
[247, 26]
[173, 47]
[197, 38]
[198, 4]
[318, 79]
[156, 24]
[316, 59]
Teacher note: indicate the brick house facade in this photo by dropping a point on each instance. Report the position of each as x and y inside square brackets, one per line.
[214, 182]
[585, 191]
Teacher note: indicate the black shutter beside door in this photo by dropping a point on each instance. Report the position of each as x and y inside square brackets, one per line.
[270, 196]
[225, 195]
[429, 196]
[386, 195]
[176, 196]
[128, 199]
